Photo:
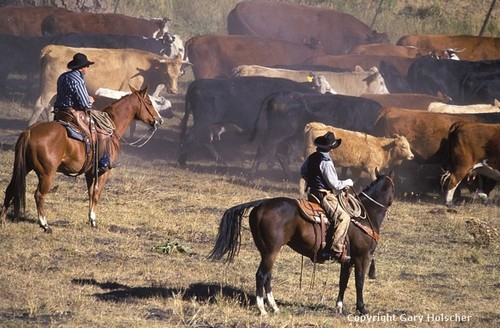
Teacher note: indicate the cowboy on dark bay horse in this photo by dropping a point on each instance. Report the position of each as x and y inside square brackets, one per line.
[324, 186]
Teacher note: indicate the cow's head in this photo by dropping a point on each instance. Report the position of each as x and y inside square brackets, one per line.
[400, 149]
[172, 68]
[375, 82]
[162, 27]
[377, 37]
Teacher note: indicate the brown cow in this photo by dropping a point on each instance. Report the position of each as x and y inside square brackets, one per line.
[426, 131]
[25, 20]
[379, 152]
[473, 149]
[389, 50]
[349, 62]
[106, 23]
[215, 56]
[406, 100]
[337, 31]
[471, 47]
[114, 69]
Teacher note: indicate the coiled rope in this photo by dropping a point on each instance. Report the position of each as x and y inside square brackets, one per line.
[103, 121]
[352, 205]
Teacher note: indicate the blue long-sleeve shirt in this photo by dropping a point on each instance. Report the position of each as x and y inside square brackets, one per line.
[72, 91]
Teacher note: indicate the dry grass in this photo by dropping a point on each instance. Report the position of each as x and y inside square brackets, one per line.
[120, 275]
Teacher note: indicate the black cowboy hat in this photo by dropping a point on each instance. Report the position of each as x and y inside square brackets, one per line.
[79, 61]
[327, 141]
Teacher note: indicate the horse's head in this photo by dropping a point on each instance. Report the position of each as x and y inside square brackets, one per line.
[381, 191]
[147, 113]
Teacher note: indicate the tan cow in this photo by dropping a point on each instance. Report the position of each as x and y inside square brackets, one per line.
[114, 69]
[353, 83]
[439, 107]
[360, 152]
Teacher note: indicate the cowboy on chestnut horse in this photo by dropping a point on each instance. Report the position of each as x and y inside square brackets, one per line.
[74, 104]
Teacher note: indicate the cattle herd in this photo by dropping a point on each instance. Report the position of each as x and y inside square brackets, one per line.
[410, 101]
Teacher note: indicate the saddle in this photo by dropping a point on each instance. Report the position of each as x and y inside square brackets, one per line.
[314, 213]
[77, 127]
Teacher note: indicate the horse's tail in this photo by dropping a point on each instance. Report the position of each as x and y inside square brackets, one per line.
[229, 235]
[17, 186]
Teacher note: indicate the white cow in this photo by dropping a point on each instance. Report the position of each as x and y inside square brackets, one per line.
[439, 107]
[353, 83]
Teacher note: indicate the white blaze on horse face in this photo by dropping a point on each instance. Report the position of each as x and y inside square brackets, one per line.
[260, 306]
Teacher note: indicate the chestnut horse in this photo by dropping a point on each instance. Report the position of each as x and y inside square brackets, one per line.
[46, 149]
[277, 222]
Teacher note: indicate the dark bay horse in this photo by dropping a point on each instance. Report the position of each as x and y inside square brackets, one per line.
[277, 222]
[46, 149]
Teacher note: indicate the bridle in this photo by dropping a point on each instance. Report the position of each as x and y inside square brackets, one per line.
[371, 231]
[153, 127]
[373, 200]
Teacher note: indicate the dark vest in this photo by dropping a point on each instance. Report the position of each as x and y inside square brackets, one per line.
[314, 177]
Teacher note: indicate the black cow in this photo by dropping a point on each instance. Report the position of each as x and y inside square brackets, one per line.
[288, 113]
[217, 104]
[481, 88]
[429, 75]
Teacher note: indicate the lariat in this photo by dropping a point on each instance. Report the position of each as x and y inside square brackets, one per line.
[351, 205]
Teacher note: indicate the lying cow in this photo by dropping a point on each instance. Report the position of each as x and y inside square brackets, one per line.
[353, 83]
[360, 152]
[439, 107]
[114, 69]
[473, 149]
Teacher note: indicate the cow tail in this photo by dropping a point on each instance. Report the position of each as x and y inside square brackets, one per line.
[187, 112]
[263, 106]
[447, 158]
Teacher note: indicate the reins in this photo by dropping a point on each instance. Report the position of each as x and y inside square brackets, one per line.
[148, 135]
[151, 131]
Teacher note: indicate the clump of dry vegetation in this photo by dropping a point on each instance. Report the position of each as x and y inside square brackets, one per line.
[483, 232]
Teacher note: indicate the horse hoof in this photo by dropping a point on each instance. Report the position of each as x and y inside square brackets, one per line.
[362, 311]
[47, 229]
